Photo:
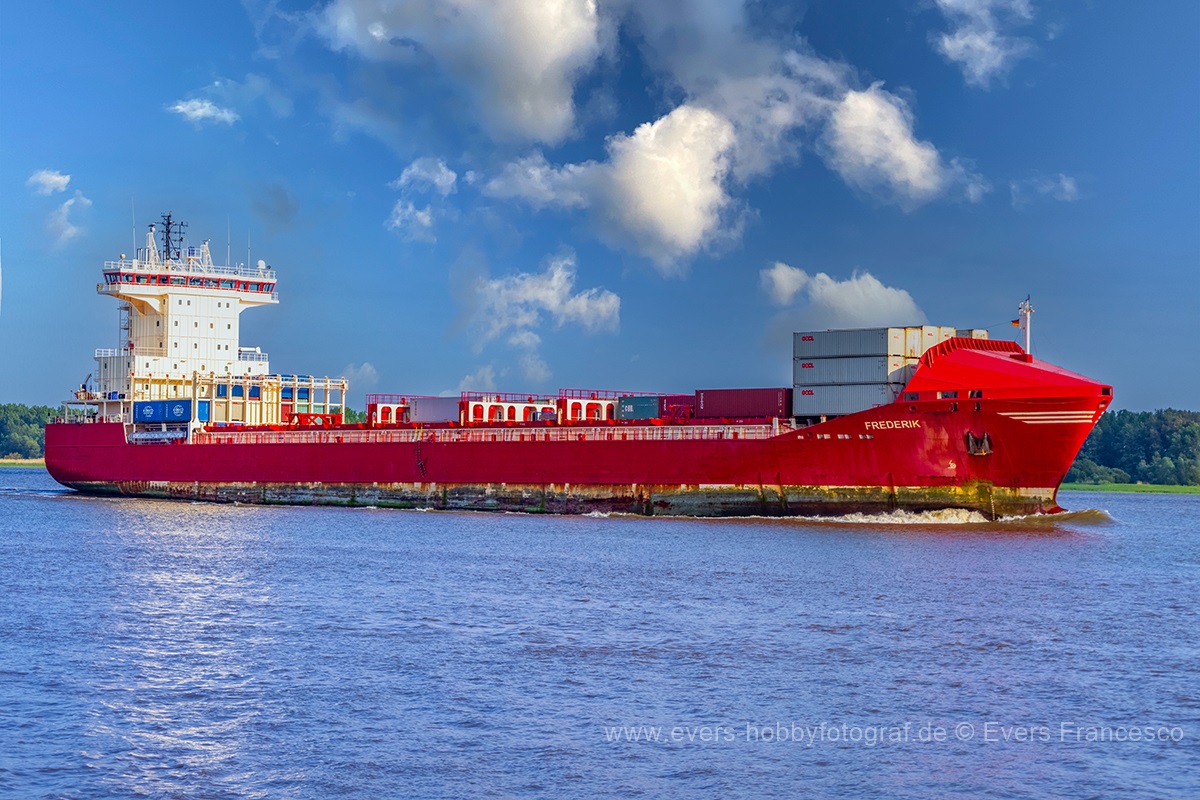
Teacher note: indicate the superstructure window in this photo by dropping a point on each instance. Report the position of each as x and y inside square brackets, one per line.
[952, 395]
[975, 394]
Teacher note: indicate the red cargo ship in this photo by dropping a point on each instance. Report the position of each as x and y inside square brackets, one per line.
[180, 410]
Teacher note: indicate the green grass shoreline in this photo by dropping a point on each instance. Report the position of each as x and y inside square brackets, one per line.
[23, 462]
[1146, 488]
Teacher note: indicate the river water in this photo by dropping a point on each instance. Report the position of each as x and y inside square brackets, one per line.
[178, 650]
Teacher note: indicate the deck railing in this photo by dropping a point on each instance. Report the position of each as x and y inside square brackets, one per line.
[648, 433]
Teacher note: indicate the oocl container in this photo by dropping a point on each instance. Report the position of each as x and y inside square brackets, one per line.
[851, 369]
[817, 400]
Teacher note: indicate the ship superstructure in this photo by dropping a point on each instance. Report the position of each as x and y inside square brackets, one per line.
[179, 362]
[877, 419]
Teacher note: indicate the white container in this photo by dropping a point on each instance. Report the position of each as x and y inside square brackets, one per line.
[972, 333]
[849, 369]
[856, 342]
[433, 409]
[817, 400]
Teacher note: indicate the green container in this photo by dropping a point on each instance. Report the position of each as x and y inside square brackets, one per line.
[637, 407]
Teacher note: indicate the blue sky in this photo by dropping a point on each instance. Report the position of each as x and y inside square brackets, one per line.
[533, 194]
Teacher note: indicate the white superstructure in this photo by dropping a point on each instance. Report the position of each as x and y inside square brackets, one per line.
[179, 319]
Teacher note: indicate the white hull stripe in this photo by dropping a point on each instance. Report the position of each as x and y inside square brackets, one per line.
[1052, 417]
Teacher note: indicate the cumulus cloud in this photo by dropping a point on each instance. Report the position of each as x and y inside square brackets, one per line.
[979, 39]
[661, 189]
[782, 282]
[48, 181]
[59, 223]
[517, 304]
[1060, 187]
[423, 176]
[199, 110]
[414, 224]
[872, 146]
[517, 60]
[481, 380]
[858, 302]
[427, 173]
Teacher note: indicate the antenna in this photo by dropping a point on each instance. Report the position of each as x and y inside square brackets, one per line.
[1025, 315]
[228, 241]
[172, 240]
[133, 225]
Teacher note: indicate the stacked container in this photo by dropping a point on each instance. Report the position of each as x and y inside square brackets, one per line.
[842, 372]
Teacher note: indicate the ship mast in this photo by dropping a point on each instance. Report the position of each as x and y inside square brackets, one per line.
[172, 239]
[1025, 316]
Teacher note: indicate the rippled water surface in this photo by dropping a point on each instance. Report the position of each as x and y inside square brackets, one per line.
[177, 650]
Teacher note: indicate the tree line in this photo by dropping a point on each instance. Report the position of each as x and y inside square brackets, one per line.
[23, 430]
[1141, 447]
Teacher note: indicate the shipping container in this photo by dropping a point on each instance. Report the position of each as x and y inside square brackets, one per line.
[852, 369]
[918, 340]
[638, 407]
[670, 405]
[433, 409]
[910, 342]
[163, 410]
[742, 403]
[817, 401]
[202, 410]
[148, 411]
[972, 333]
[858, 342]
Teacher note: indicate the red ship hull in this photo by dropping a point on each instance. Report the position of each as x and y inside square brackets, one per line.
[979, 427]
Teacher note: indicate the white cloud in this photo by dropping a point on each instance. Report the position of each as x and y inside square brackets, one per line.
[414, 224]
[661, 190]
[48, 181]
[534, 369]
[517, 60]
[59, 222]
[1060, 187]
[783, 282]
[516, 304]
[481, 380]
[361, 376]
[534, 180]
[979, 41]
[858, 302]
[198, 110]
[873, 148]
[427, 172]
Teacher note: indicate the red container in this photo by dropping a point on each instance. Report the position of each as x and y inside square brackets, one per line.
[669, 404]
[742, 403]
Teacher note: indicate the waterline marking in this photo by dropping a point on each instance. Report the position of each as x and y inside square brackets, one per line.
[901, 733]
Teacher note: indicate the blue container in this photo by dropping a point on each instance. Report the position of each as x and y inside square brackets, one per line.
[202, 410]
[177, 410]
[149, 411]
[222, 390]
[255, 393]
[302, 394]
[287, 393]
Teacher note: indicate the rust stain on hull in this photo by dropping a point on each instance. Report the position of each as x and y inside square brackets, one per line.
[649, 500]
